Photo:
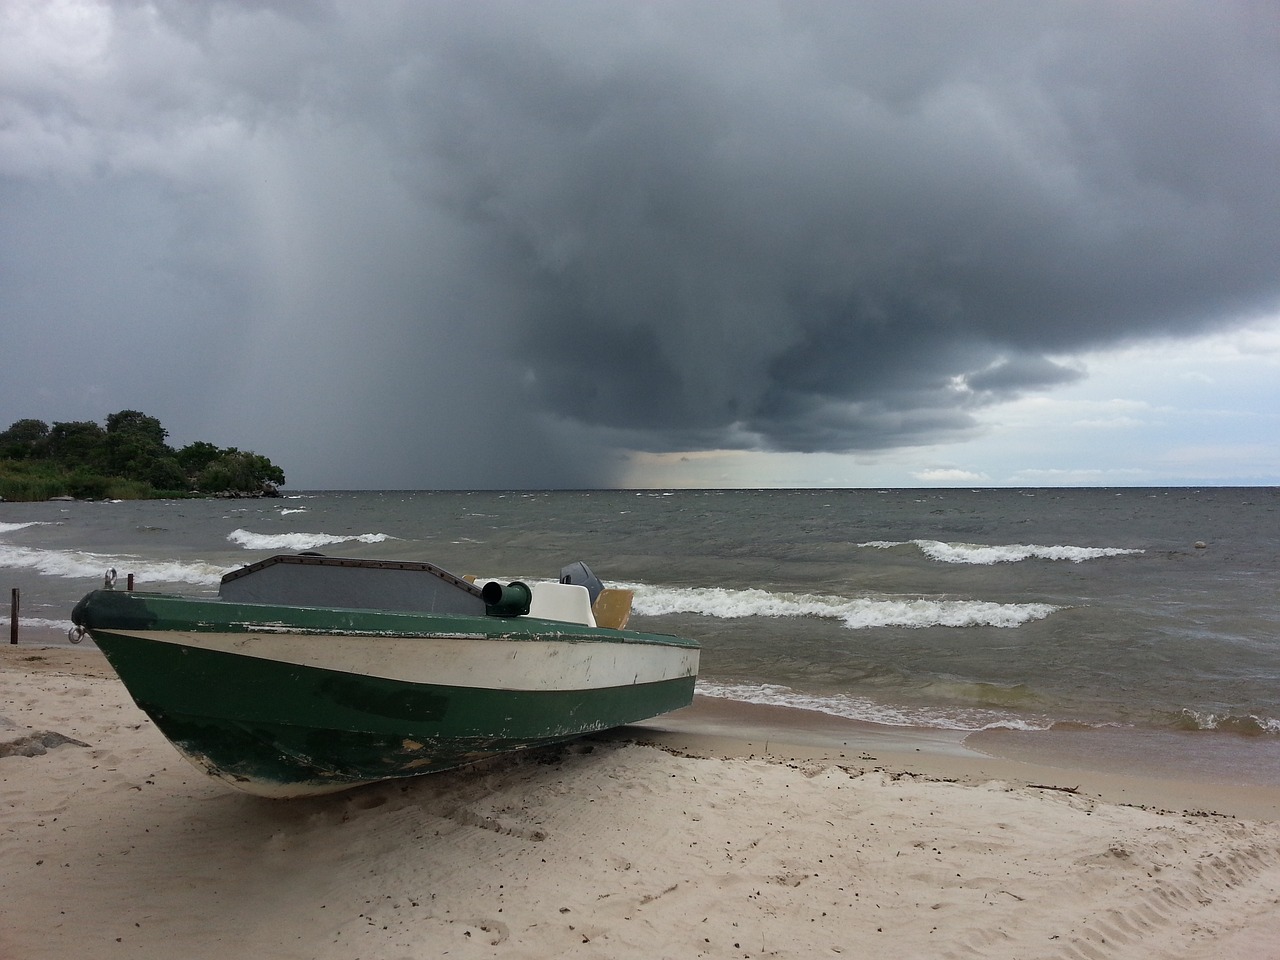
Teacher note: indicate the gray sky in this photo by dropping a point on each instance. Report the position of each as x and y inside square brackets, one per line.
[405, 244]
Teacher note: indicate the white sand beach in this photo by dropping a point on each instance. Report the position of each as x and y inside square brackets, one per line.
[720, 831]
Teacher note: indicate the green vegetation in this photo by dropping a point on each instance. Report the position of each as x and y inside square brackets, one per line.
[127, 460]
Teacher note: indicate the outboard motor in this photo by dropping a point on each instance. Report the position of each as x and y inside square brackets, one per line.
[579, 573]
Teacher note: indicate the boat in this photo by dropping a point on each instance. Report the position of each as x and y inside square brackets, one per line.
[310, 674]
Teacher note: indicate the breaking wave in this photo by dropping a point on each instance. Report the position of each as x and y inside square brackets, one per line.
[1249, 724]
[984, 554]
[297, 541]
[40, 623]
[10, 527]
[81, 564]
[869, 711]
[856, 614]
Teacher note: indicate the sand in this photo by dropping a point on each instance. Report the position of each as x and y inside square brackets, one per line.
[720, 831]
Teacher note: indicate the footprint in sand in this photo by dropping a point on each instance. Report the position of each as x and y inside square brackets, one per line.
[496, 930]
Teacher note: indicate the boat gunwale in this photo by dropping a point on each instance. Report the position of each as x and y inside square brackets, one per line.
[443, 625]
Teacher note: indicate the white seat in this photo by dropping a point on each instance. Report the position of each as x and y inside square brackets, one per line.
[567, 602]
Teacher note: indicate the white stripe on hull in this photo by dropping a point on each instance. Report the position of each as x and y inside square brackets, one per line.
[482, 663]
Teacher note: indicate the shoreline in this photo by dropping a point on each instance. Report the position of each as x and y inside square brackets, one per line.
[1087, 761]
[1178, 771]
[722, 830]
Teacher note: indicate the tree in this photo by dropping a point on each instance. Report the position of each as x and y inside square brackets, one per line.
[165, 473]
[129, 458]
[239, 471]
[137, 424]
[135, 442]
[194, 457]
[77, 443]
[23, 439]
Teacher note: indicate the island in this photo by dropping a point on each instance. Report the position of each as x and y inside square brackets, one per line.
[127, 459]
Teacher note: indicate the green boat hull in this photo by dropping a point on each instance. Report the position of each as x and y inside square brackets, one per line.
[290, 701]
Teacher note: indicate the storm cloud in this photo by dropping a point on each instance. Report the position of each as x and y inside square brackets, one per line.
[500, 244]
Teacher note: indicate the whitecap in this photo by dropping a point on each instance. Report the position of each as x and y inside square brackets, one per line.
[856, 613]
[986, 554]
[297, 541]
[43, 623]
[81, 564]
[10, 527]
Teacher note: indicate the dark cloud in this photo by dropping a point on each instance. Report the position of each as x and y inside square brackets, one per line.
[489, 244]
[1012, 375]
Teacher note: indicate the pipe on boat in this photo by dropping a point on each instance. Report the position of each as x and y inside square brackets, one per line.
[510, 601]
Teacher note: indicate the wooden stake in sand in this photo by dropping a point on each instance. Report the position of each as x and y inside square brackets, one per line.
[13, 617]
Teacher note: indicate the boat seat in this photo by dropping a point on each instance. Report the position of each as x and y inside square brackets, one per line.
[613, 608]
[567, 602]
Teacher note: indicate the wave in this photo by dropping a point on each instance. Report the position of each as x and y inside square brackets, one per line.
[1249, 724]
[297, 541]
[10, 527]
[43, 623]
[869, 711]
[856, 614]
[984, 554]
[986, 715]
[81, 564]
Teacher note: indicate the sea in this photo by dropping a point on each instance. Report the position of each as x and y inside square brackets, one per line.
[1150, 615]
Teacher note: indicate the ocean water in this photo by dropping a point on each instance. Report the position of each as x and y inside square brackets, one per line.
[1025, 609]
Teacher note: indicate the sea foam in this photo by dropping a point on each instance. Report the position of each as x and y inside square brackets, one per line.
[1248, 724]
[297, 541]
[42, 623]
[856, 613]
[868, 711]
[10, 527]
[80, 564]
[985, 554]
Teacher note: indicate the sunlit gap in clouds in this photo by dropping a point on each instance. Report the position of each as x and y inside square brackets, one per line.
[1167, 413]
